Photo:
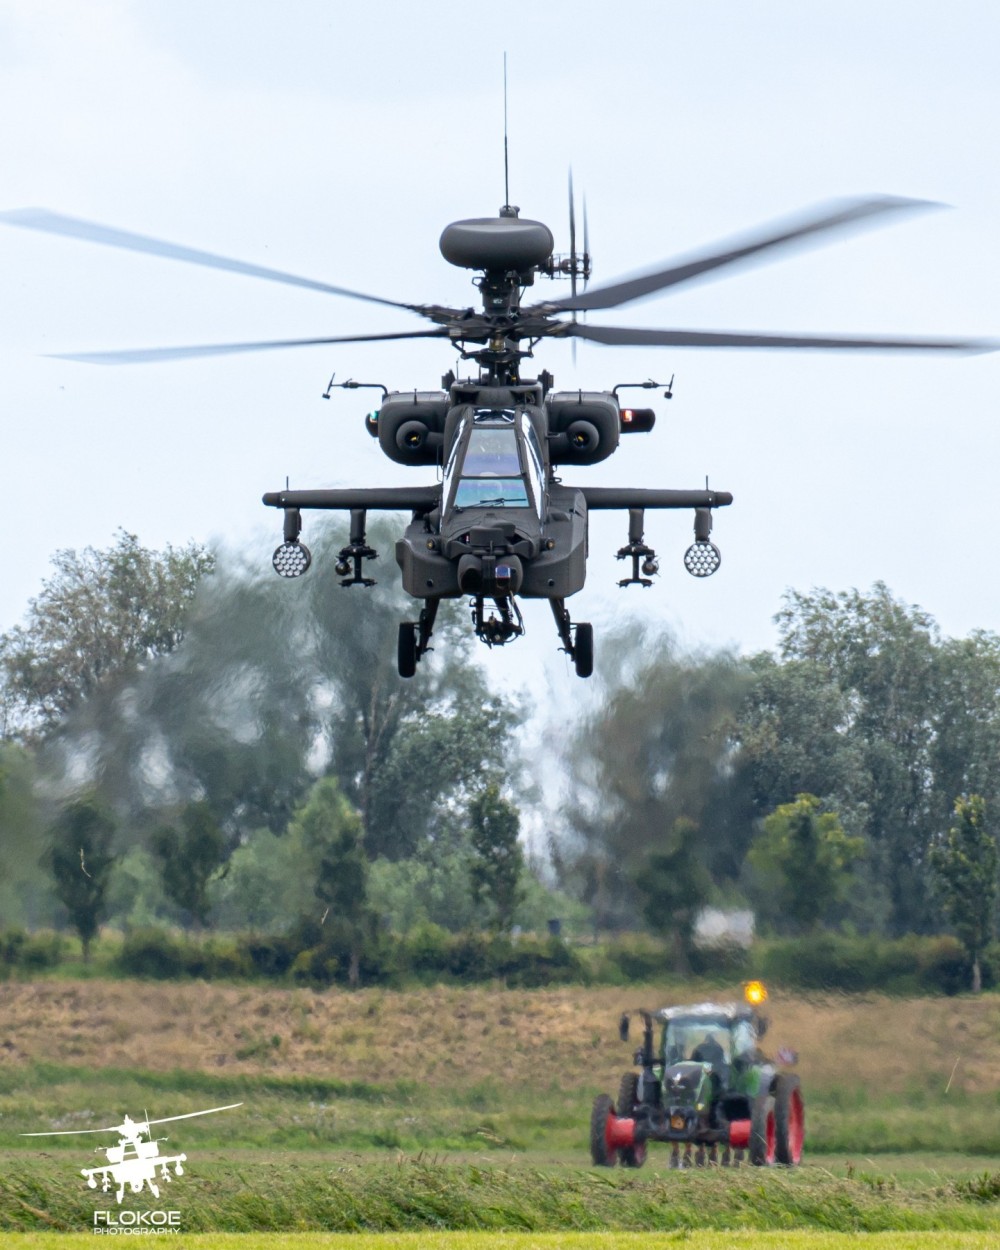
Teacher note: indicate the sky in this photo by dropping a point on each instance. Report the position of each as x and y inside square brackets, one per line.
[336, 141]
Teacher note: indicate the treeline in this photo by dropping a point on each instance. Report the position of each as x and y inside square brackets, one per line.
[197, 744]
[430, 954]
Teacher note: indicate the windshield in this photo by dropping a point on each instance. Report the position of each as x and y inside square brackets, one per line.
[700, 1040]
[491, 471]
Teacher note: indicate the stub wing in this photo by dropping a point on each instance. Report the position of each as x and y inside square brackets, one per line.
[378, 499]
[609, 497]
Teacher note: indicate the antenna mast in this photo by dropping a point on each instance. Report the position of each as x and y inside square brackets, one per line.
[506, 170]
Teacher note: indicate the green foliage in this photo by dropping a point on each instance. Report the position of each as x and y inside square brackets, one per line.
[26, 893]
[878, 659]
[829, 961]
[81, 860]
[801, 861]
[674, 885]
[671, 719]
[965, 863]
[189, 856]
[31, 951]
[164, 956]
[497, 859]
[102, 615]
[330, 832]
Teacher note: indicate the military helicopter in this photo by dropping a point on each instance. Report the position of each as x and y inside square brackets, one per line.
[498, 524]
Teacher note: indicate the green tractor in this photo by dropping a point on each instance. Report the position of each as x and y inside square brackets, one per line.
[707, 1089]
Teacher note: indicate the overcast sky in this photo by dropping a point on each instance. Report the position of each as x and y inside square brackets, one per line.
[336, 141]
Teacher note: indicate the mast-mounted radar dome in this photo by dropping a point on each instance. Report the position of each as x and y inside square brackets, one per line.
[497, 244]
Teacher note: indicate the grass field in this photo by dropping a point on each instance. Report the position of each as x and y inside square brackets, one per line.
[791, 1240]
[453, 1108]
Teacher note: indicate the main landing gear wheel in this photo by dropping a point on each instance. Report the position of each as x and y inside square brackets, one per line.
[628, 1098]
[583, 649]
[407, 651]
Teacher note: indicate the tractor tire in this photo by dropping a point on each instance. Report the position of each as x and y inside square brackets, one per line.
[600, 1154]
[789, 1120]
[628, 1100]
[762, 1130]
[407, 650]
[583, 649]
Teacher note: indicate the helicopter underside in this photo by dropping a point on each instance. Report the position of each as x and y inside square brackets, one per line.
[499, 552]
[493, 556]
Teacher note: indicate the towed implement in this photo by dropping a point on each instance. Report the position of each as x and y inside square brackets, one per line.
[706, 1089]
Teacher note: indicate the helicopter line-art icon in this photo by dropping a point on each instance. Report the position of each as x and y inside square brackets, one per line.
[132, 1161]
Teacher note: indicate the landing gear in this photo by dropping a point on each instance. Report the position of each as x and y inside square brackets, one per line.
[414, 639]
[407, 653]
[579, 648]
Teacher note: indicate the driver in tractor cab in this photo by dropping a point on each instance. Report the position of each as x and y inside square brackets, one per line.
[708, 1050]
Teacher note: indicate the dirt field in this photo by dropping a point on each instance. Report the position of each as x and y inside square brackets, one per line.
[546, 1039]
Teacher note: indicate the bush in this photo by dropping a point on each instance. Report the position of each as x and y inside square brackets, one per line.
[910, 965]
[152, 953]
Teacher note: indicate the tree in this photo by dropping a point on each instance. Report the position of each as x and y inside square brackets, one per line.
[26, 888]
[965, 862]
[674, 885]
[660, 747]
[881, 656]
[328, 828]
[102, 615]
[801, 862]
[81, 861]
[189, 856]
[498, 860]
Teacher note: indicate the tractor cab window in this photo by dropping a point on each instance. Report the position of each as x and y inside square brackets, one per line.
[491, 474]
[744, 1042]
[704, 1041]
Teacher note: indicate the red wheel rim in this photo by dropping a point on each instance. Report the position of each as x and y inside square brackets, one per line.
[772, 1138]
[796, 1126]
[612, 1151]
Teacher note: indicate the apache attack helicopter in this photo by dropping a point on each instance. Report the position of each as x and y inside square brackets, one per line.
[498, 524]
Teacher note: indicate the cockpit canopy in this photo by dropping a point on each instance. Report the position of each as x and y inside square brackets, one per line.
[496, 462]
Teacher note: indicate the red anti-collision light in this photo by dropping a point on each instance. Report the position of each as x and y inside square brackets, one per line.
[637, 420]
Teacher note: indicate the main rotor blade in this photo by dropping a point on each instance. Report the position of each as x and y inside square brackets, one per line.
[846, 213]
[191, 1114]
[623, 337]
[148, 355]
[93, 232]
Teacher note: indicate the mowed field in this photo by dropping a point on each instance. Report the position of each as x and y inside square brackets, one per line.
[467, 1108]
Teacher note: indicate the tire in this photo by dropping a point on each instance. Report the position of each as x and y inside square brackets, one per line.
[762, 1130]
[628, 1100]
[600, 1154]
[407, 652]
[789, 1120]
[583, 649]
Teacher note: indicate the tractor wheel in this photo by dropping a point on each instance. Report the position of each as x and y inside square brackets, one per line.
[789, 1120]
[628, 1100]
[762, 1131]
[602, 1155]
[407, 653]
[583, 649]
